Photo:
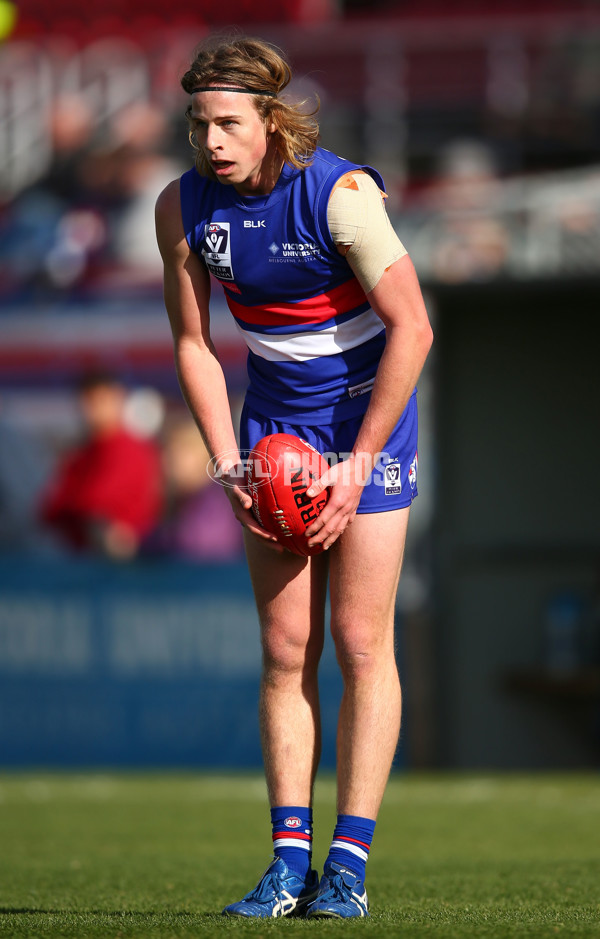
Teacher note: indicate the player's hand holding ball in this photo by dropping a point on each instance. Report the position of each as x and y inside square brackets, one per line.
[281, 468]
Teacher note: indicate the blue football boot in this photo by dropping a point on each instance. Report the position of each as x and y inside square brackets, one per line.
[341, 895]
[278, 893]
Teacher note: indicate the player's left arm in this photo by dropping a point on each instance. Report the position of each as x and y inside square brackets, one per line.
[395, 295]
[398, 301]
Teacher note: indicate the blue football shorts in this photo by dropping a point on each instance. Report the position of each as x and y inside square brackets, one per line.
[392, 483]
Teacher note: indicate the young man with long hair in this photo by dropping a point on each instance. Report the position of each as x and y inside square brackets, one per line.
[329, 304]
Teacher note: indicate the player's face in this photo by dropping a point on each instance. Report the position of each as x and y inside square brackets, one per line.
[235, 140]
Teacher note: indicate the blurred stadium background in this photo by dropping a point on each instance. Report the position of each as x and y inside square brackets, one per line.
[485, 120]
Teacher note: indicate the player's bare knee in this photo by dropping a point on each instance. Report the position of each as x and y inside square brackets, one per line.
[358, 654]
[358, 666]
[284, 655]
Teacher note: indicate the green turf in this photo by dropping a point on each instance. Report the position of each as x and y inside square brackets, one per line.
[160, 855]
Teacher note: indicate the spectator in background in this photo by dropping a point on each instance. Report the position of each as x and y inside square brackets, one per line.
[198, 524]
[51, 230]
[107, 493]
[138, 133]
[72, 127]
[470, 241]
[89, 219]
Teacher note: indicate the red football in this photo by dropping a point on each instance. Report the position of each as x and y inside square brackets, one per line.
[280, 470]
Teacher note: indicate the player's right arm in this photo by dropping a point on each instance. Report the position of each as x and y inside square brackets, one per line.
[187, 295]
[200, 375]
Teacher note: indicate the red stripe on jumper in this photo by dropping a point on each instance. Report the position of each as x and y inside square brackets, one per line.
[317, 309]
[354, 841]
[291, 834]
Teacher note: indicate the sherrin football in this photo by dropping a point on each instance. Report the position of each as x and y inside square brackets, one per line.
[281, 467]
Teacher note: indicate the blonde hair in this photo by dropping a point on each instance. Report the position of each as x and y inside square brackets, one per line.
[259, 67]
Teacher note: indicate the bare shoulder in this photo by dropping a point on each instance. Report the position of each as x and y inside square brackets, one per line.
[169, 225]
[168, 200]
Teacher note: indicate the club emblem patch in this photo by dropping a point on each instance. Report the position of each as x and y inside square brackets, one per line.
[412, 472]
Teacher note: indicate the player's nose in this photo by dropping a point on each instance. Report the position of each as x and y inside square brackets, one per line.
[212, 142]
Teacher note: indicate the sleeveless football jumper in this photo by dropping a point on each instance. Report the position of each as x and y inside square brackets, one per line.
[314, 343]
[313, 340]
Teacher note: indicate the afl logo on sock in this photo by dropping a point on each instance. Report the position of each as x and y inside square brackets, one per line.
[292, 821]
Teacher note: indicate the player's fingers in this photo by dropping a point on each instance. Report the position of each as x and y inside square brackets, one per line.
[269, 540]
[246, 518]
[241, 503]
[249, 522]
[331, 528]
[340, 508]
[318, 486]
[326, 538]
[243, 497]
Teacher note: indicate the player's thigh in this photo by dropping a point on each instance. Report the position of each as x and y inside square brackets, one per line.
[365, 569]
[290, 593]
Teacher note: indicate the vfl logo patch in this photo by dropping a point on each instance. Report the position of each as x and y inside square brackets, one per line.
[392, 481]
[292, 821]
[216, 249]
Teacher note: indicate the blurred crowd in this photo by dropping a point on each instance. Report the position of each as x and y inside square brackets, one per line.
[90, 218]
[133, 482]
[125, 474]
[82, 162]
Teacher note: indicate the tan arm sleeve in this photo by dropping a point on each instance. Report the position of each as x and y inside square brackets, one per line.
[358, 220]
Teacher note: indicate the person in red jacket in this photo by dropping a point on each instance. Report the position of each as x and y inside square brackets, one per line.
[107, 492]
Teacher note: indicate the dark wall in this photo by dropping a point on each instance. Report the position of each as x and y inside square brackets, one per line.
[517, 539]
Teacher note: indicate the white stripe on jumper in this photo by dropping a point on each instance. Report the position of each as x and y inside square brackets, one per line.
[353, 848]
[311, 344]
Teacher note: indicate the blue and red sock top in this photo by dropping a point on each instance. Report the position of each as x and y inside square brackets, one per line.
[292, 836]
[351, 843]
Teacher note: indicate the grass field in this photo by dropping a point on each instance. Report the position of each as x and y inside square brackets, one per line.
[159, 855]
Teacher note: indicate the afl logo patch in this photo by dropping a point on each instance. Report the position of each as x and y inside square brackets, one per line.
[292, 821]
[216, 250]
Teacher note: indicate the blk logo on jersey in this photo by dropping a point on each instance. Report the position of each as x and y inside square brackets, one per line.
[392, 481]
[216, 249]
